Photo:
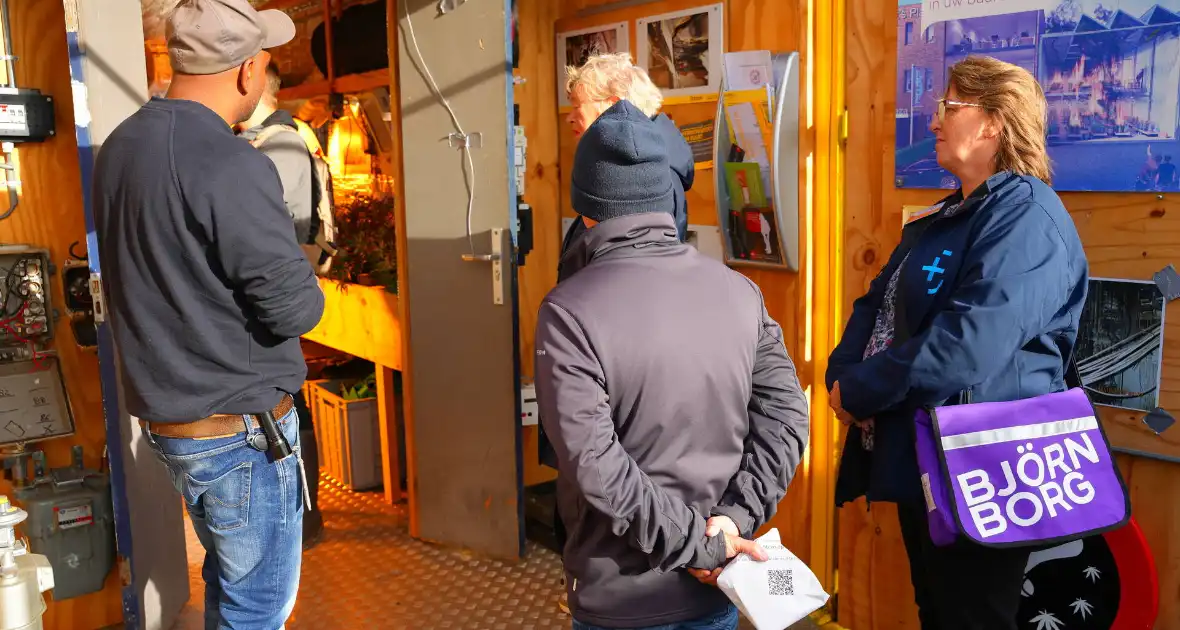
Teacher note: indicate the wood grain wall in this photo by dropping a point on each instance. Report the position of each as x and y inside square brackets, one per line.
[50, 215]
[1126, 236]
[776, 25]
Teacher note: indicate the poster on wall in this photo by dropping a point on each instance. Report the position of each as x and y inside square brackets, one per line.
[1110, 70]
[699, 137]
[1120, 343]
[575, 47]
[682, 51]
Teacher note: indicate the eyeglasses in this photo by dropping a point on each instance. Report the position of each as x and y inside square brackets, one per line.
[942, 103]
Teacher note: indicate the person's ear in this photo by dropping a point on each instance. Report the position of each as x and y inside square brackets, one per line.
[246, 75]
[993, 127]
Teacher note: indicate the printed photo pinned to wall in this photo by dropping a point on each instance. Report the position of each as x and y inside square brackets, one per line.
[682, 51]
[1120, 343]
[1110, 70]
[575, 47]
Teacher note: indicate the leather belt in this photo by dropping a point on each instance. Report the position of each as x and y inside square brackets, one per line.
[219, 425]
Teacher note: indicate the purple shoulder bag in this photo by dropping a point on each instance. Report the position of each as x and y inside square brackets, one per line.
[1020, 473]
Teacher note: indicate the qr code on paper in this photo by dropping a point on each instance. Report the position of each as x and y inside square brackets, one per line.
[781, 582]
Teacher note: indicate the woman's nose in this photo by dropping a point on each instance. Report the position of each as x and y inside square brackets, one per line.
[935, 124]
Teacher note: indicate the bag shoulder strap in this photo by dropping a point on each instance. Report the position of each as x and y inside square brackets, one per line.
[1073, 377]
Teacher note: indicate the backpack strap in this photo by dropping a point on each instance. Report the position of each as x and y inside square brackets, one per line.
[271, 131]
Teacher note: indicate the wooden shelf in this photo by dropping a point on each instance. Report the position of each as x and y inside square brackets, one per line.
[361, 321]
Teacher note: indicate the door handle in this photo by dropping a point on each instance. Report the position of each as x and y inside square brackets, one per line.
[497, 260]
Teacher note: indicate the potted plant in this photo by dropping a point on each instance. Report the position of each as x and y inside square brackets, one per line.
[366, 242]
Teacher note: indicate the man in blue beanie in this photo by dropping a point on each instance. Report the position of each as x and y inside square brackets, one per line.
[593, 88]
[667, 393]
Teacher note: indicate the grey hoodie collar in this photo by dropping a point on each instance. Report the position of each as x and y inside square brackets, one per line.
[623, 236]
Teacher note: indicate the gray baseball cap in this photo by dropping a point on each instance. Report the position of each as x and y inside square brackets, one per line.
[212, 36]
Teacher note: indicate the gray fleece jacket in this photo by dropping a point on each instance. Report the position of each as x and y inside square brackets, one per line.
[668, 395]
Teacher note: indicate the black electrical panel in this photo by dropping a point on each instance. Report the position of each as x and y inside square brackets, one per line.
[25, 116]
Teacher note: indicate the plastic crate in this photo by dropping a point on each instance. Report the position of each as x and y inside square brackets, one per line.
[348, 435]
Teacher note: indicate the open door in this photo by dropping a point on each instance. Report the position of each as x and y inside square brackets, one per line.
[109, 84]
[463, 427]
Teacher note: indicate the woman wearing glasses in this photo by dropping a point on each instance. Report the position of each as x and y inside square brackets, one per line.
[980, 302]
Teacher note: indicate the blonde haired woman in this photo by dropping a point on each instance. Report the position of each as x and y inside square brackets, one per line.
[980, 302]
[603, 81]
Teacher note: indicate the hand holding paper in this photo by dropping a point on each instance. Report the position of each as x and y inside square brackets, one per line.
[734, 545]
[775, 593]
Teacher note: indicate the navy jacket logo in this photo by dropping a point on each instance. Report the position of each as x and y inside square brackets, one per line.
[933, 269]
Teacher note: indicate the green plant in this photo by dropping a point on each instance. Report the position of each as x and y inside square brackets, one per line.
[360, 390]
[366, 240]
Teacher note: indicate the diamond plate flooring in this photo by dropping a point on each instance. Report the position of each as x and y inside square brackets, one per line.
[367, 572]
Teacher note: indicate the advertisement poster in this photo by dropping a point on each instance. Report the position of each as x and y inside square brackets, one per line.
[1110, 70]
[699, 137]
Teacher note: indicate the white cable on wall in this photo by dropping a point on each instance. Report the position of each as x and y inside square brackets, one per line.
[466, 147]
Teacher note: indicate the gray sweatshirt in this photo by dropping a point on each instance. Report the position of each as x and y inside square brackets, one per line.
[668, 395]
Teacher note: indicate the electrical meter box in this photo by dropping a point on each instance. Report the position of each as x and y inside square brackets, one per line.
[25, 115]
[71, 522]
[26, 309]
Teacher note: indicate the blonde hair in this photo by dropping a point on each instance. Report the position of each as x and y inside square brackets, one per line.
[1013, 97]
[614, 75]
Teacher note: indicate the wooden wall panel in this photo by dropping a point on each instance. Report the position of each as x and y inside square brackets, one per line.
[1126, 235]
[537, 98]
[50, 215]
[777, 25]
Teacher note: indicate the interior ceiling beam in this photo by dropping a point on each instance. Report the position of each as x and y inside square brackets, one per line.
[347, 84]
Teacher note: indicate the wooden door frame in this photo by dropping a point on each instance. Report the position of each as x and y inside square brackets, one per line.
[826, 41]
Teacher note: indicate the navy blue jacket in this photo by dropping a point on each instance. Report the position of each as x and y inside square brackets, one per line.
[989, 305]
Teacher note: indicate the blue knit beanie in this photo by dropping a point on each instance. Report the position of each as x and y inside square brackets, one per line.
[621, 167]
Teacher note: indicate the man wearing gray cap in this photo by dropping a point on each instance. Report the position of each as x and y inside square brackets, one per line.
[208, 293]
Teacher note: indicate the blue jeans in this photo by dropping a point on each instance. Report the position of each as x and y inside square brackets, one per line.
[248, 513]
[724, 620]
